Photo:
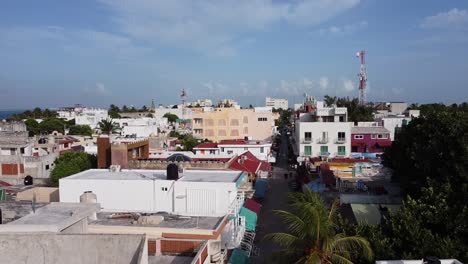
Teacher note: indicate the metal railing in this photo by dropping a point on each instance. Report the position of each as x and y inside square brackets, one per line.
[340, 140]
[306, 140]
[323, 140]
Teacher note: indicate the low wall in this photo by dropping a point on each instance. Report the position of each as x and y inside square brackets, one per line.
[73, 249]
[162, 165]
[369, 199]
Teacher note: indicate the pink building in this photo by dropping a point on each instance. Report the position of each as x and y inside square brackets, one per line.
[372, 139]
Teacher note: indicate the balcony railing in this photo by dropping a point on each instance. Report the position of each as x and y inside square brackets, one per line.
[324, 153]
[306, 140]
[323, 140]
[340, 154]
[340, 140]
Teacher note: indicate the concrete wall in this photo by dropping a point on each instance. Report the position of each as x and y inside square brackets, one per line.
[43, 195]
[73, 249]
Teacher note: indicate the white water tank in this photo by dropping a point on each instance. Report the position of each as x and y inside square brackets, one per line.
[89, 197]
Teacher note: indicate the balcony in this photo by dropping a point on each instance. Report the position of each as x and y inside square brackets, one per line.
[340, 140]
[324, 154]
[306, 140]
[340, 154]
[323, 140]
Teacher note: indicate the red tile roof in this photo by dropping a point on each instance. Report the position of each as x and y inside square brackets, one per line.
[207, 145]
[249, 163]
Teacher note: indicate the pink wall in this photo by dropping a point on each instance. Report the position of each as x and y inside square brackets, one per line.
[368, 144]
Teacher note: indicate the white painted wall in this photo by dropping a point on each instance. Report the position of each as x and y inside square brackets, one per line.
[180, 197]
[316, 128]
[391, 123]
[91, 117]
[256, 150]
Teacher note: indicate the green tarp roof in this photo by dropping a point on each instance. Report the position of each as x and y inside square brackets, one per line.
[250, 219]
[238, 257]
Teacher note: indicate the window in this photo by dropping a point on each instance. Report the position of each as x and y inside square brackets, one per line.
[47, 167]
[246, 148]
[307, 150]
[308, 136]
[354, 149]
[22, 150]
[209, 122]
[209, 133]
[374, 136]
[221, 122]
[234, 122]
[229, 152]
[198, 121]
[222, 132]
[262, 149]
[323, 150]
[341, 135]
[235, 132]
[341, 118]
[212, 151]
[12, 151]
[222, 149]
[262, 119]
[164, 189]
[358, 136]
[341, 150]
[246, 130]
[245, 120]
[382, 136]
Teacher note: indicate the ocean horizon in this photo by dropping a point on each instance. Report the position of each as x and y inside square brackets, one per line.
[4, 114]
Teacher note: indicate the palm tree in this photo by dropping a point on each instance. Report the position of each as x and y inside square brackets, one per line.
[312, 237]
[107, 126]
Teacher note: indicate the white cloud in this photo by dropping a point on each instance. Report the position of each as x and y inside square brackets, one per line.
[343, 30]
[323, 83]
[215, 26]
[215, 88]
[99, 89]
[76, 42]
[452, 19]
[348, 85]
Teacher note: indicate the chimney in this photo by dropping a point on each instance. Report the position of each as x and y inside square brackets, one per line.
[104, 152]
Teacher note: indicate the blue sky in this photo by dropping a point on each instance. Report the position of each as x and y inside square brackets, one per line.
[56, 53]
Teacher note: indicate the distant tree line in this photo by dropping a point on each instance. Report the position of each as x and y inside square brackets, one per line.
[36, 113]
[114, 110]
[49, 125]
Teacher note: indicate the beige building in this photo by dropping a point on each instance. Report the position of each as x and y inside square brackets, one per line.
[219, 124]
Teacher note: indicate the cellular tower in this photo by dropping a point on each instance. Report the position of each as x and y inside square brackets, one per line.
[362, 77]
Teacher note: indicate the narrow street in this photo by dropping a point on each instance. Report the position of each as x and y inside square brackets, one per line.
[275, 199]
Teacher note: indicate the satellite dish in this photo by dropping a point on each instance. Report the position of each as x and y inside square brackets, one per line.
[358, 54]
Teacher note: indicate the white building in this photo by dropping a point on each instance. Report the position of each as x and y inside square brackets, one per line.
[141, 127]
[276, 103]
[195, 193]
[91, 117]
[200, 103]
[261, 150]
[323, 131]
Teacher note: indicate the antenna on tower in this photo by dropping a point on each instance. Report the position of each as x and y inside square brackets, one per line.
[362, 77]
[183, 97]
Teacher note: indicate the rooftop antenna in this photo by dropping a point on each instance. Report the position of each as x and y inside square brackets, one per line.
[362, 77]
[183, 97]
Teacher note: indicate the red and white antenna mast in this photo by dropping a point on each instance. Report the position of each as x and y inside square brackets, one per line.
[183, 97]
[362, 77]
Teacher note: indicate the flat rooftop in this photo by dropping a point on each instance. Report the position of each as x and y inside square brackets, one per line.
[170, 221]
[52, 217]
[187, 175]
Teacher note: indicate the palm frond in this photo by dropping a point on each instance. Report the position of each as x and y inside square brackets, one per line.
[345, 245]
[337, 259]
[296, 225]
[285, 240]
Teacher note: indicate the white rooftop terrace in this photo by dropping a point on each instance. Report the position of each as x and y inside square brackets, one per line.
[150, 175]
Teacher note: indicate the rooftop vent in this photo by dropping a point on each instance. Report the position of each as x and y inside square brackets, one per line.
[114, 168]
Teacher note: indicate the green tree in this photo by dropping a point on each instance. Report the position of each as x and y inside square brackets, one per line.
[330, 100]
[71, 163]
[124, 108]
[83, 130]
[52, 124]
[108, 126]
[32, 126]
[312, 236]
[189, 143]
[150, 115]
[172, 118]
[356, 112]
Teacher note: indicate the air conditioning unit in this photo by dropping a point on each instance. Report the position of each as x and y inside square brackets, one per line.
[114, 168]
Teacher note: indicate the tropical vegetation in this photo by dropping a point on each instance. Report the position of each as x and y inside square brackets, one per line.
[71, 163]
[356, 111]
[313, 236]
[108, 126]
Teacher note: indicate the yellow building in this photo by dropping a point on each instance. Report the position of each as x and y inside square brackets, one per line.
[217, 124]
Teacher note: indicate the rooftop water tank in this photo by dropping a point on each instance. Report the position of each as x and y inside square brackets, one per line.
[172, 172]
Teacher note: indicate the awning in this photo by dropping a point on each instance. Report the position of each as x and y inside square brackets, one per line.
[250, 219]
[253, 206]
[238, 257]
[260, 188]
